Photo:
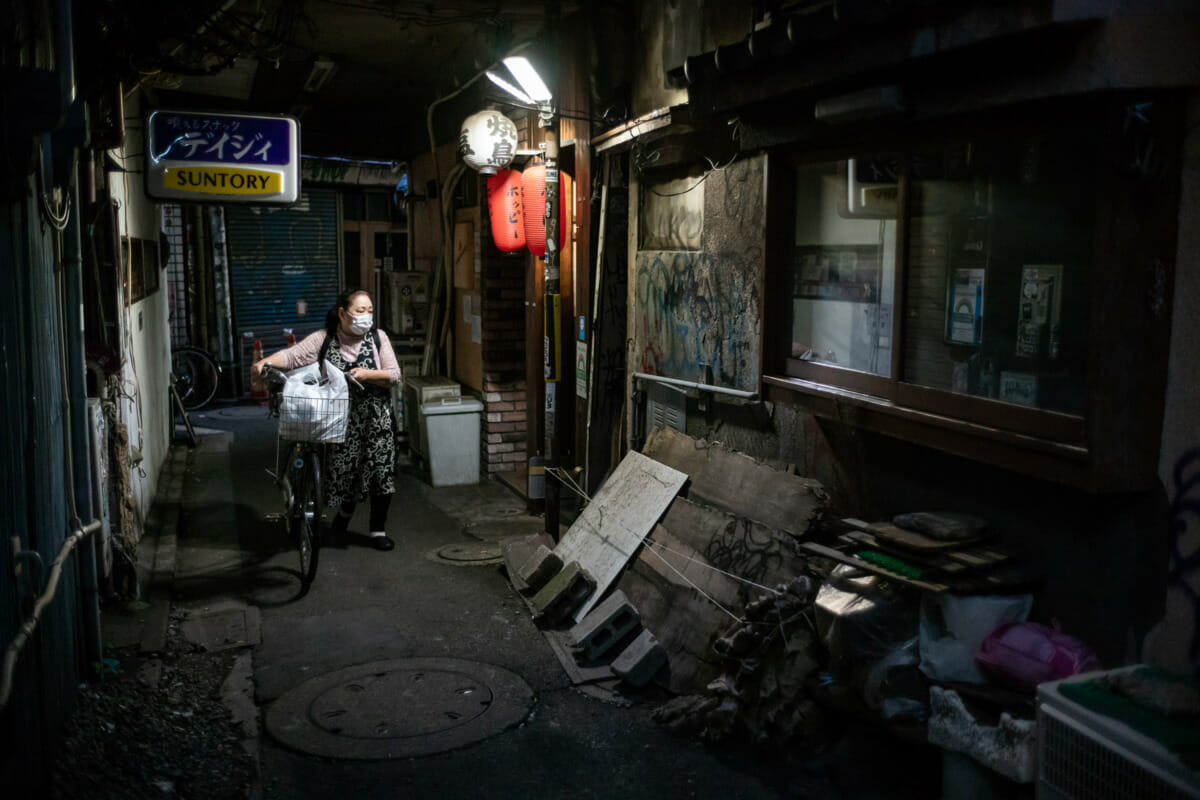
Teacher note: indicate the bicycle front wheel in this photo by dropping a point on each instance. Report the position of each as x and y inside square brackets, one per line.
[306, 518]
[197, 376]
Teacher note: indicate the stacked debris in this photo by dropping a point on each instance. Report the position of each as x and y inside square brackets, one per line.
[711, 600]
[768, 658]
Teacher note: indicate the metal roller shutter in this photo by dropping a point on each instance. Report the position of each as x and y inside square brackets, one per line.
[279, 257]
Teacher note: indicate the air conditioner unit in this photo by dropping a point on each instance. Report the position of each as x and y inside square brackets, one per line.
[98, 429]
[1084, 755]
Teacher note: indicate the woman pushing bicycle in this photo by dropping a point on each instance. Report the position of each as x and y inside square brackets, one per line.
[364, 465]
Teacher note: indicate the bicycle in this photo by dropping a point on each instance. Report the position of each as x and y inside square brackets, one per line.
[303, 425]
[197, 376]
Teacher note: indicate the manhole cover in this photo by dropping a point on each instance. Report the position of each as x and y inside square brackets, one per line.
[468, 554]
[399, 709]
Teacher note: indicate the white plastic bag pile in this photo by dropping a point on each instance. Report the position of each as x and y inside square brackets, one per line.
[314, 410]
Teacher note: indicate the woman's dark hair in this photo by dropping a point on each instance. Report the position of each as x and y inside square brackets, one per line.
[343, 301]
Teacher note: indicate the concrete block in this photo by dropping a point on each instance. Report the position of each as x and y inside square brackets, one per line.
[559, 598]
[604, 626]
[641, 660]
[538, 569]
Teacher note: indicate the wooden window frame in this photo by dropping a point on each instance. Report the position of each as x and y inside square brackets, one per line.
[1057, 446]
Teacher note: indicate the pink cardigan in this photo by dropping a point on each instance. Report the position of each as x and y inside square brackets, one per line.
[305, 352]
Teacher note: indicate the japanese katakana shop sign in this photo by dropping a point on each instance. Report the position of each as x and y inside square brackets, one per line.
[231, 158]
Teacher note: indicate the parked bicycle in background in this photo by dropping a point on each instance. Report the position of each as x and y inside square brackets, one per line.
[197, 376]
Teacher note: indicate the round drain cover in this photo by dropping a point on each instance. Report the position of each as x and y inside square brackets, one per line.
[399, 709]
[467, 553]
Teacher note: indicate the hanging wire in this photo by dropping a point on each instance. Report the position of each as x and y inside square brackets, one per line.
[706, 565]
[565, 478]
[691, 583]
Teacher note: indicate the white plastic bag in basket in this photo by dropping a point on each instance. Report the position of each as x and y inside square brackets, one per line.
[313, 411]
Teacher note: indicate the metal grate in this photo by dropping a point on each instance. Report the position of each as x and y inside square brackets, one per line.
[172, 226]
[1077, 762]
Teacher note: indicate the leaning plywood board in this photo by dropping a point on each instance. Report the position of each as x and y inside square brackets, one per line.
[737, 483]
[744, 548]
[610, 530]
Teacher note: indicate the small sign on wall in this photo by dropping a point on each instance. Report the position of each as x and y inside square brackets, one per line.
[581, 377]
[228, 158]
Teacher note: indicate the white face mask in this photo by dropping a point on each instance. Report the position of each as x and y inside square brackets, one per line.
[360, 324]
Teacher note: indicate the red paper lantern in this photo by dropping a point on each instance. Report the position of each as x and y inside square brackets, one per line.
[533, 184]
[505, 210]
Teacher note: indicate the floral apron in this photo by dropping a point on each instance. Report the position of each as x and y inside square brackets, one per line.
[365, 463]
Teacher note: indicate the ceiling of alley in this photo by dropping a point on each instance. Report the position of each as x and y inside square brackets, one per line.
[358, 73]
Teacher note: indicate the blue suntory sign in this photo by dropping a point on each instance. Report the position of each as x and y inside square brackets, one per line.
[238, 158]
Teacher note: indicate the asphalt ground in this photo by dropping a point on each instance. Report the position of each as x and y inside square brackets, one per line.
[368, 606]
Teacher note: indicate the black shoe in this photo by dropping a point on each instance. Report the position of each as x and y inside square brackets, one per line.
[383, 543]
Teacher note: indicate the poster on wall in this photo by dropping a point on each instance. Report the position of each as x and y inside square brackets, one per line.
[1038, 310]
[222, 158]
[964, 309]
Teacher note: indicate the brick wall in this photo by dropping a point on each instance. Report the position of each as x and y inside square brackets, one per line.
[502, 292]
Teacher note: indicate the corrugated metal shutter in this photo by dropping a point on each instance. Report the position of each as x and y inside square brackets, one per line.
[279, 256]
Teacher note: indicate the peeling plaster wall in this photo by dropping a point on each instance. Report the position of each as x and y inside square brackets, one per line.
[145, 332]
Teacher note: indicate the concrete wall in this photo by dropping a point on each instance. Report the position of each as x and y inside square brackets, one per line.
[145, 333]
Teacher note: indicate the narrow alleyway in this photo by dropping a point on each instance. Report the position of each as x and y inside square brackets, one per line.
[234, 593]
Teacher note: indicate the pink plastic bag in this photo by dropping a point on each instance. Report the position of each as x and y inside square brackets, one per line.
[1023, 654]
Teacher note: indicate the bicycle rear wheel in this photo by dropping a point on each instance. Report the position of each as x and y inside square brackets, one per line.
[306, 518]
[197, 375]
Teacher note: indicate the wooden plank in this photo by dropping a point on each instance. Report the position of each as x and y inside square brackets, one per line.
[828, 552]
[609, 531]
[912, 540]
[738, 484]
[742, 547]
[680, 617]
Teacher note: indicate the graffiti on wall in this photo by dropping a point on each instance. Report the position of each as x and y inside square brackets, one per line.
[701, 310]
[693, 314]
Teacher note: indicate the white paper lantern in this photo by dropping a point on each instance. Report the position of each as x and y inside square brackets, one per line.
[488, 141]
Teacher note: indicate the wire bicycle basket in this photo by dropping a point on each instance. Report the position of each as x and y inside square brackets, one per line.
[313, 419]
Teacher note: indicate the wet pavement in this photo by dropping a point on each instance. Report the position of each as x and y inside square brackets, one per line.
[388, 652]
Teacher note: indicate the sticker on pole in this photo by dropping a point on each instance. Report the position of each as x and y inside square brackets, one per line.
[232, 158]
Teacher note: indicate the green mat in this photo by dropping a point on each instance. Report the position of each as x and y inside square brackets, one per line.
[892, 563]
[1180, 736]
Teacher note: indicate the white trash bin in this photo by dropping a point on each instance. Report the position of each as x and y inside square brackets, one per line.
[451, 431]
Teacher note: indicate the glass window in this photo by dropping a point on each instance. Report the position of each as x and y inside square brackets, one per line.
[378, 207]
[844, 263]
[998, 241]
[354, 206]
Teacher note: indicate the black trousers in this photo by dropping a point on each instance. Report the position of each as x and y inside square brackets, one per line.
[379, 511]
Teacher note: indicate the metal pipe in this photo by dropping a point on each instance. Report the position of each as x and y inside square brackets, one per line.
[704, 387]
[591, 386]
[30, 624]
